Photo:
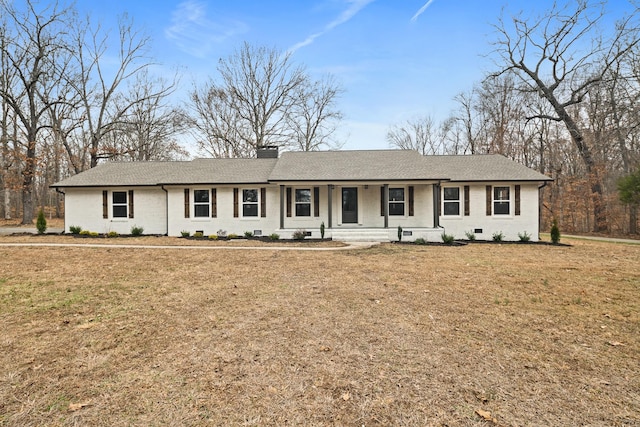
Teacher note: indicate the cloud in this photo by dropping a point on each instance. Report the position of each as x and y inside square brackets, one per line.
[421, 11]
[355, 6]
[194, 33]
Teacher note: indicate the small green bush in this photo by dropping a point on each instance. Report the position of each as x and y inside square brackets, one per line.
[555, 232]
[84, 233]
[213, 237]
[524, 236]
[248, 234]
[420, 241]
[94, 234]
[471, 236]
[185, 233]
[399, 234]
[274, 236]
[447, 239]
[322, 230]
[497, 236]
[299, 234]
[198, 234]
[136, 231]
[233, 236]
[75, 229]
[41, 222]
[112, 234]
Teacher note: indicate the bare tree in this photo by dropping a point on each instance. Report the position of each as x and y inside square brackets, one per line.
[34, 49]
[314, 116]
[261, 98]
[547, 55]
[418, 134]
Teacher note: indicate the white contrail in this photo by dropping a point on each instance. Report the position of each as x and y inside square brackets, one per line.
[421, 11]
[356, 6]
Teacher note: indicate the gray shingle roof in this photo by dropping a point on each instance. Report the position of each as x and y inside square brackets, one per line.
[336, 166]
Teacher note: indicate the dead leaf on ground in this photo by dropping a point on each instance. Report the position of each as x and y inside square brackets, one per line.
[77, 406]
[615, 343]
[486, 415]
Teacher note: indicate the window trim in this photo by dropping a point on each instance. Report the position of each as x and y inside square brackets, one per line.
[296, 203]
[402, 202]
[446, 201]
[206, 204]
[124, 204]
[256, 203]
[496, 201]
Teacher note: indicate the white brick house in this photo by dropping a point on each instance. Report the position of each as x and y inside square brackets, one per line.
[358, 195]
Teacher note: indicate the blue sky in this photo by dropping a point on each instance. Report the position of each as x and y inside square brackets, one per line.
[396, 59]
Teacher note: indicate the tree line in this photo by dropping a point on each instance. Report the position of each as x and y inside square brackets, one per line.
[563, 100]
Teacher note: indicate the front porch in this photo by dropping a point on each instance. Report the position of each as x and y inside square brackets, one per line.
[362, 234]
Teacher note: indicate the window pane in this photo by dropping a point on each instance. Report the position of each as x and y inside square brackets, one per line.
[201, 196]
[303, 196]
[250, 209]
[396, 194]
[396, 208]
[452, 208]
[501, 208]
[120, 197]
[303, 209]
[451, 193]
[501, 193]
[250, 196]
[201, 210]
[120, 211]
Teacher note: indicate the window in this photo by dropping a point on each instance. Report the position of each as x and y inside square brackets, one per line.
[250, 202]
[303, 202]
[451, 200]
[396, 201]
[119, 202]
[201, 203]
[501, 200]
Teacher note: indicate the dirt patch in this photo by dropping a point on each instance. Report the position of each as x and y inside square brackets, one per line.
[392, 335]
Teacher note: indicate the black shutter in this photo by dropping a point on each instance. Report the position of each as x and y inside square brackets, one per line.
[186, 203]
[316, 201]
[288, 201]
[411, 200]
[130, 203]
[517, 191]
[105, 204]
[467, 208]
[263, 202]
[382, 201]
[489, 199]
[214, 203]
[235, 203]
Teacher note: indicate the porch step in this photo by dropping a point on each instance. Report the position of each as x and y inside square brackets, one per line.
[361, 235]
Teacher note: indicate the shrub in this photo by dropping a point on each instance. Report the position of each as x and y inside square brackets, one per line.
[233, 236]
[498, 236]
[41, 222]
[213, 237]
[524, 236]
[299, 234]
[322, 230]
[75, 229]
[555, 232]
[112, 234]
[136, 231]
[94, 234]
[198, 234]
[399, 234]
[84, 233]
[185, 233]
[274, 236]
[447, 239]
[471, 236]
[248, 234]
[420, 241]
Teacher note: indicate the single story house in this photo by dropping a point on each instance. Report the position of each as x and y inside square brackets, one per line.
[358, 195]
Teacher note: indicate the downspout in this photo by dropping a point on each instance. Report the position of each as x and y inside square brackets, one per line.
[64, 222]
[166, 208]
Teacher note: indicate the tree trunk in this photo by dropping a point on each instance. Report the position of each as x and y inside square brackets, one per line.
[633, 219]
[27, 184]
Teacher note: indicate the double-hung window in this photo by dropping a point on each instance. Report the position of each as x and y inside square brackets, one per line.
[303, 202]
[250, 202]
[201, 203]
[501, 201]
[119, 204]
[451, 200]
[396, 201]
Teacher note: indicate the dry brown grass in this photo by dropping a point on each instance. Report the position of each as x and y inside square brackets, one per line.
[393, 335]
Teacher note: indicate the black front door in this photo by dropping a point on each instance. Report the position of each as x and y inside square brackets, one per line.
[350, 205]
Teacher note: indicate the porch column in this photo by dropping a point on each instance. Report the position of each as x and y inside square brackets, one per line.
[282, 197]
[436, 205]
[330, 204]
[385, 200]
